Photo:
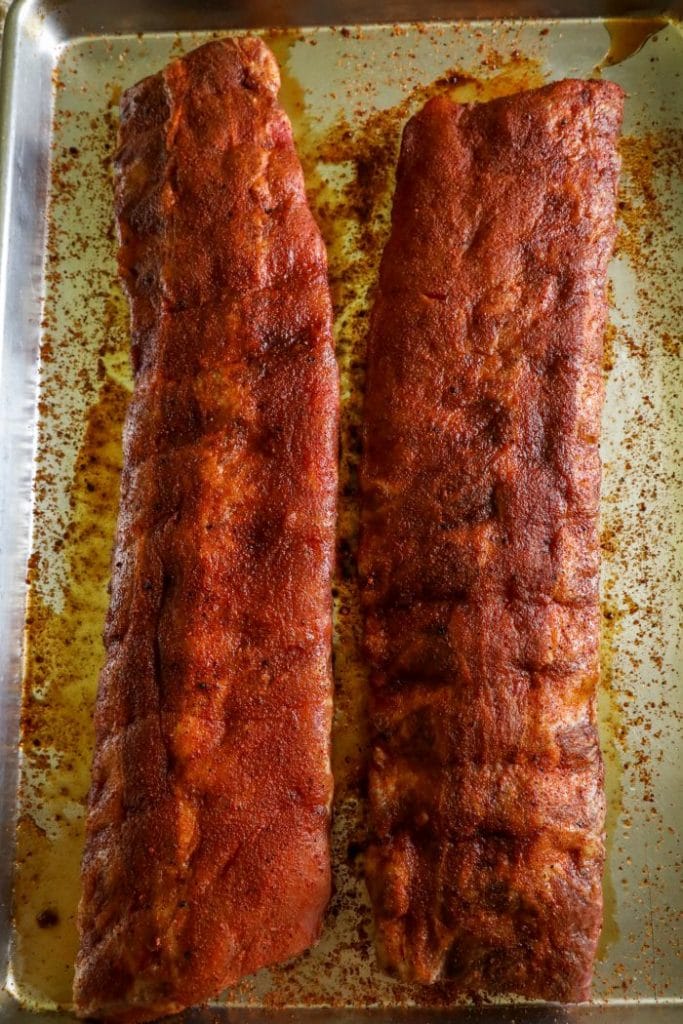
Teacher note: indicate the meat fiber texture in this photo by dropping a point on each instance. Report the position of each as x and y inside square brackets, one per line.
[479, 554]
[207, 846]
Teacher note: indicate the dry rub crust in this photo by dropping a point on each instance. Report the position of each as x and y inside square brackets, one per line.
[479, 554]
[207, 850]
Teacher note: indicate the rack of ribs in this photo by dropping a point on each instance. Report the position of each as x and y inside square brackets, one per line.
[479, 551]
[207, 834]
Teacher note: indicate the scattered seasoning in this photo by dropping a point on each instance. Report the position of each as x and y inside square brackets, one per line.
[85, 381]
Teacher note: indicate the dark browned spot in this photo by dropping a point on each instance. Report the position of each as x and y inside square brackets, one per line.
[47, 918]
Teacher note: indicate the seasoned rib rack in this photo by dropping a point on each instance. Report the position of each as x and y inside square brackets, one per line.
[479, 554]
[207, 833]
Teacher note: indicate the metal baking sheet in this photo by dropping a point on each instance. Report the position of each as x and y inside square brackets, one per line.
[64, 381]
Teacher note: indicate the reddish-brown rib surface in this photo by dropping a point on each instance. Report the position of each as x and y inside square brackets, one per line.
[207, 833]
[479, 553]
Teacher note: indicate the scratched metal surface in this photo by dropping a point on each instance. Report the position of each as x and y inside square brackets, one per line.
[63, 386]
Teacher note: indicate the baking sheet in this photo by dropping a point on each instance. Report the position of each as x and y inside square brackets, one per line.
[348, 93]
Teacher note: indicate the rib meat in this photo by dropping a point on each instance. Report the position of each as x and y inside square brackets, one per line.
[479, 555]
[207, 831]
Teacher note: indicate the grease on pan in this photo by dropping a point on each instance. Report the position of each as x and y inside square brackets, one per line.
[348, 111]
